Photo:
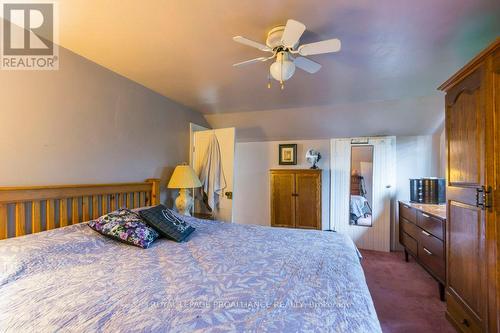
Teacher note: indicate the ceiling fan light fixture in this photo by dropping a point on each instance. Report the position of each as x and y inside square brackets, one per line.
[283, 42]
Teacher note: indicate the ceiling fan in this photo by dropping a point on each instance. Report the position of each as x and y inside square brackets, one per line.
[283, 43]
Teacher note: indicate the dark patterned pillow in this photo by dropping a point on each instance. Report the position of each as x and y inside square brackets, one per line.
[125, 226]
[167, 223]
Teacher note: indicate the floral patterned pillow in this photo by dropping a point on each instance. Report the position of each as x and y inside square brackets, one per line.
[126, 226]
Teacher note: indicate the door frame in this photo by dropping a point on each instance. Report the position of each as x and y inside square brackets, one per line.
[384, 153]
[195, 130]
[192, 129]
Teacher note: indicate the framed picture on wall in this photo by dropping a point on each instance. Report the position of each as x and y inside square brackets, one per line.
[288, 154]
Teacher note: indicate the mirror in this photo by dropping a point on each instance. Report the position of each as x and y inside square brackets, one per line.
[361, 202]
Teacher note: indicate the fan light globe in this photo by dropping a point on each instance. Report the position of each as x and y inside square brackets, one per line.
[282, 69]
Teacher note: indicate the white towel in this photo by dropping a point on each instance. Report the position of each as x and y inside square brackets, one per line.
[212, 175]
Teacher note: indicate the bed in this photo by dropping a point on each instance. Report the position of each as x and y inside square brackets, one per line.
[225, 278]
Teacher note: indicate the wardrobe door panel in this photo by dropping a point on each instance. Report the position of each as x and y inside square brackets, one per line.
[283, 200]
[308, 194]
[466, 255]
[465, 135]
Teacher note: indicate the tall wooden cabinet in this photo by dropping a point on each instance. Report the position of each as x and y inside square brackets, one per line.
[473, 197]
[296, 198]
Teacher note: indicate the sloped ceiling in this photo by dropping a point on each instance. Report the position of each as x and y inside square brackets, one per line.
[394, 55]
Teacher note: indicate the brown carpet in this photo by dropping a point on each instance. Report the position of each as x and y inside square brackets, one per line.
[406, 297]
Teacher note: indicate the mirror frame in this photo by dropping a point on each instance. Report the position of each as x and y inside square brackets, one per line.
[353, 145]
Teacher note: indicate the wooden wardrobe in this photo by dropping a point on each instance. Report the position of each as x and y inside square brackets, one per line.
[473, 194]
[296, 198]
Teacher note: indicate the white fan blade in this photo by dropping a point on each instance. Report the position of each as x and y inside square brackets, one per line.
[249, 42]
[293, 31]
[307, 65]
[326, 46]
[251, 61]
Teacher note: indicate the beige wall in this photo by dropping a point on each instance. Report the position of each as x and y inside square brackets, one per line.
[86, 124]
[253, 160]
[410, 116]
[416, 156]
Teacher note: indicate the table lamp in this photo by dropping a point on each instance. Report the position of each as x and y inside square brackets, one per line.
[183, 179]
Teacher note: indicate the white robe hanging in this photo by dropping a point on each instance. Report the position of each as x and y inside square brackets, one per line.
[212, 176]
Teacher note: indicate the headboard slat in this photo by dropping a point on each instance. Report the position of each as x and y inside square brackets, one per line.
[3, 221]
[63, 212]
[50, 214]
[36, 219]
[75, 214]
[95, 206]
[84, 201]
[129, 200]
[112, 202]
[104, 204]
[136, 199]
[142, 200]
[85, 209]
[119, 201]
[20, 219]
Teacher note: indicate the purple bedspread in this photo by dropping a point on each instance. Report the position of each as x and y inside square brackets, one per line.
[225, 278]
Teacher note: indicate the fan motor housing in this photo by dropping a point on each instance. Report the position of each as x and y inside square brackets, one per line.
[274, 37]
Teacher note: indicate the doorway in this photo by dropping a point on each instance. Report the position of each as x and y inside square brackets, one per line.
[362, 189]
[200, 141]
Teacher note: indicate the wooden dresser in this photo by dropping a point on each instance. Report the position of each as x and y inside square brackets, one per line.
[422, 230]
[473, 194]
[296, 198]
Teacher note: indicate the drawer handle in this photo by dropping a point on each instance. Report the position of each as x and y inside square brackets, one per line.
[465, 322]
[427, 251]
[425, 215]
[426, 233]
[405, 206]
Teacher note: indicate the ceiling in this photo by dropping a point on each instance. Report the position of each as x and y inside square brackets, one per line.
[393, 52]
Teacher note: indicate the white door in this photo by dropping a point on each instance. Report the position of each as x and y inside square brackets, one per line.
[226, 139]
[378, 236]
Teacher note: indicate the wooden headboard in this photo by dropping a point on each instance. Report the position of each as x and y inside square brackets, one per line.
[25, 210]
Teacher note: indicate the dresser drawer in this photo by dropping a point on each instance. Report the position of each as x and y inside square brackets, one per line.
[431, 254]
[408, 227]
[431, 224]
[407, 212]
[410, 243]
[463, 320]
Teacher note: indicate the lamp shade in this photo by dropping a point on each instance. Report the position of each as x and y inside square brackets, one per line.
[184, 177]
